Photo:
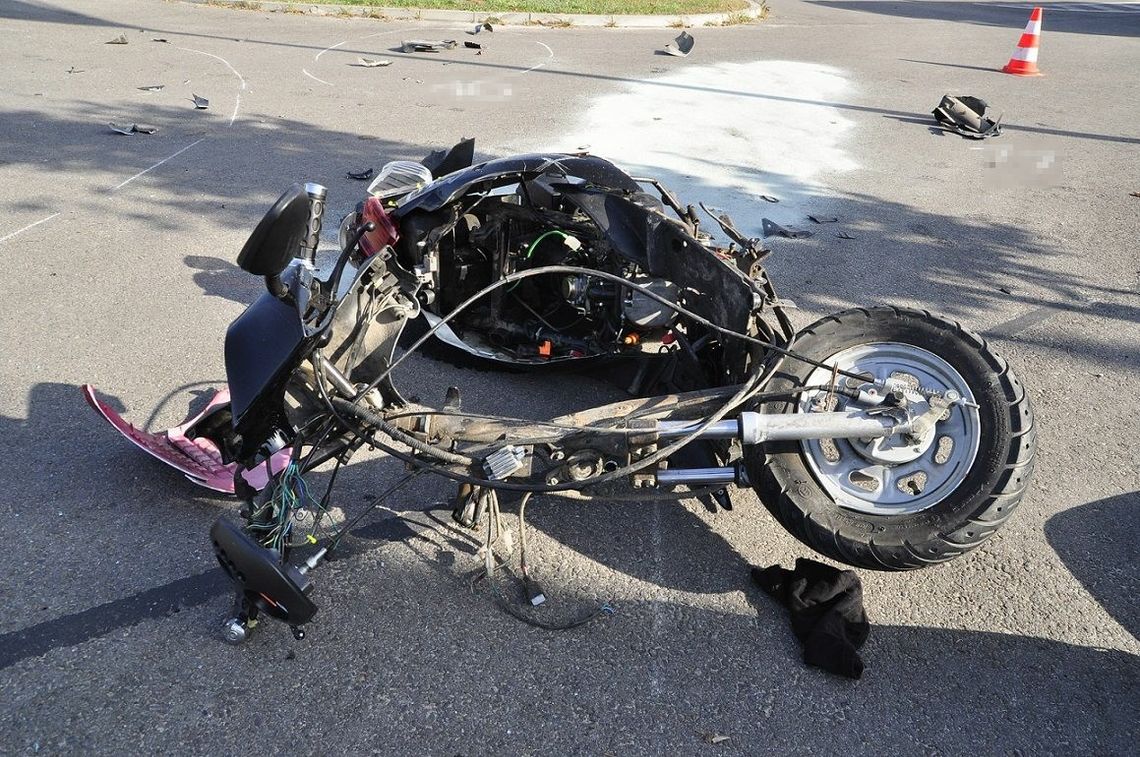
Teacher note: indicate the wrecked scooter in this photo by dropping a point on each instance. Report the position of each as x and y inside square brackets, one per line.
[885, 438]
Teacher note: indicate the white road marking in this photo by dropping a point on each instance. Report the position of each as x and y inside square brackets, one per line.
[550, 57]
[1126, 7]
[29, 226]
[330, 47]
[305, 71]
[217, 57]
[237, 104]
[156, 165]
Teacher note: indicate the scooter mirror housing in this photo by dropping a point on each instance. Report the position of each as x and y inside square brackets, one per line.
[279, 235]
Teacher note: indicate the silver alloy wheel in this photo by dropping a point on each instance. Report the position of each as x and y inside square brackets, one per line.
[893, 476]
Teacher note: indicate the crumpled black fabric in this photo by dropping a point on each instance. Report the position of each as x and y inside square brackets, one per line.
[825, 606]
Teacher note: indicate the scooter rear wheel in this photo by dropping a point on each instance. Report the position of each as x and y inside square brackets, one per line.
[896, 504]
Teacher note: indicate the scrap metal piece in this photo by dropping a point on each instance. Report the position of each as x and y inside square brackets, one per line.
[844, 235]
[120, 40]
[681, 46]
[364, 175]
[153, 87]
[74, 70]
[427, 45]
[771, 228]
[967, 116]
[201, 103]
[373, 62]
[769, 198]
[823, 219]
[127, 130]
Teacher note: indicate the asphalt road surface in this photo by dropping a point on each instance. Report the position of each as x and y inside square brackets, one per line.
[118, 254]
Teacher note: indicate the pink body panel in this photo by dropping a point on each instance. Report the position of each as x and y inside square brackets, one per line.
[198, 458]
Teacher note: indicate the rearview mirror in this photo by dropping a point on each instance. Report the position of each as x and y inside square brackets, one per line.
[278, 236]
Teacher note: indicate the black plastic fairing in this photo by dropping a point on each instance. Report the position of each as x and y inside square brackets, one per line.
[588, 168]
[263, 347]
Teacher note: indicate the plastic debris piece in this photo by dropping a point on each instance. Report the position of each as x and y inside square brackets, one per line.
[473, 45]
[769, 198]
[681, 46]
[966, 115]
[373, 62]
[120, 40]
[716, 738]
[481, 27]
[427, 45]
[127, 130]
[823, 219]
[153, 87]
[201, 103]
[74, 70]
[844, 235]
[364, 175]
[771, 228]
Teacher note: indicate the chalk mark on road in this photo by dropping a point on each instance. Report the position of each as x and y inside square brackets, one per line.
[305, 71]
[156, 165]
[29, 226]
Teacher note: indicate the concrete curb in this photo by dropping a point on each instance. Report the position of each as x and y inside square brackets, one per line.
[756, 10]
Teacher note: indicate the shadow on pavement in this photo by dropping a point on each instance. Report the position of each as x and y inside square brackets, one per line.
[1098, 544]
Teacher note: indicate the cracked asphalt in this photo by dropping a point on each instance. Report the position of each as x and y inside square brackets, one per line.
[118, 253]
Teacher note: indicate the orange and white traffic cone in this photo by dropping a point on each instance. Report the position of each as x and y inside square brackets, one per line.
[1023, 62]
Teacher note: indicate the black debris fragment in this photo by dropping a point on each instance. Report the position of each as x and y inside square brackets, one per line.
[771, 228]
[364, 175]
[481, 27]
[74, 70]
[844, 235]
[373, 62]
[201, 103]
[153, 87]
[966, 115]
[427, 45]
[769, 198]
[681, 46]
[160, 39]
[120, 40]
[1007, 290]
[1130, 194]
[823, 219]
[473, 45]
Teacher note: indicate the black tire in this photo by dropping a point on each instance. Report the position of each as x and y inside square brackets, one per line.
[968, 515]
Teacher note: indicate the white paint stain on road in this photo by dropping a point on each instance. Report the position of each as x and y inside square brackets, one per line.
[726, 134]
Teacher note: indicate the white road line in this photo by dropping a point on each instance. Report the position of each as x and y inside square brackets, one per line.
[550, 54]
[217, 57]
[237, 104]
[330, 47]
[156, 165]
[305, 71]
[29, 226]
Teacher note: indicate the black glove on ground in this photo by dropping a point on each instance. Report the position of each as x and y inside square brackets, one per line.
[826, 609]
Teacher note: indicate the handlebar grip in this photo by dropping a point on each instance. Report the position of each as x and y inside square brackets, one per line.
[317, 195]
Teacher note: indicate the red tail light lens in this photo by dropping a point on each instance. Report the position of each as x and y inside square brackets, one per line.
[385, 233]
